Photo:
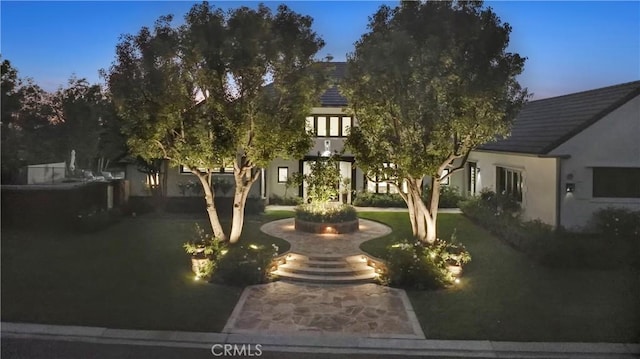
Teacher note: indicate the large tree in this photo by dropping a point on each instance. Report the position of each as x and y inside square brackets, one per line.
[197, 95]
[84, 122]
[429, 82]
[27, 135]
[41, 127]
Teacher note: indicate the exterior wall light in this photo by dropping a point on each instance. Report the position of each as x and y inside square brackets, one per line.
[570, 187]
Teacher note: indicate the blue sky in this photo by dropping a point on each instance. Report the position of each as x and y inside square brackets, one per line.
[571, 46]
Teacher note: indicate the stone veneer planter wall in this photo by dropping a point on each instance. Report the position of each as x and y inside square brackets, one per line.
[326, 227]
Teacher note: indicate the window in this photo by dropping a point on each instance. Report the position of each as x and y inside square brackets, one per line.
[509, 182]
[446, 180]
[310, 124]
[226, 170]
[322, 126]
[328, 126]
[616, 182]
[472, 173]
[346, 126]
[334, 126]
[379, 184]
[283, 174]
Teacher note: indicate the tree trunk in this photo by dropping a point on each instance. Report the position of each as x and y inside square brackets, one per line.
[423, 218]
[239, 202]
[243, 186]
[412, 213]
[209, 196]
[432, 215]
[416, 209]
[419, 212]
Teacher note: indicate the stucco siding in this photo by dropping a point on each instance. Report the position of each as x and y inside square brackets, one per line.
[278, 189]
[139, 186]
[137, 181]
[538, 181]
[613, 141]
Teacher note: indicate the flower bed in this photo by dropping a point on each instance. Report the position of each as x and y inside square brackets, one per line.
[326, 219]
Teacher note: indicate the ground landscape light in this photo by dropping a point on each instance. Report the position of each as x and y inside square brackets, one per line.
[253, 246]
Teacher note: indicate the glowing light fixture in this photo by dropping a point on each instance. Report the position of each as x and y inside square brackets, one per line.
[329, 230]
[457, 281]
[224, 251]
[397, 245]
[197, 277]
[570, 187]
[253, 246]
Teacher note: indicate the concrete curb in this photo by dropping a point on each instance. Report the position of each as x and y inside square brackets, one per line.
[323, 343]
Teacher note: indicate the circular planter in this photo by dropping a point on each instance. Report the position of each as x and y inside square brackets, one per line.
[326, 227]
[455, 270]
[199, 264]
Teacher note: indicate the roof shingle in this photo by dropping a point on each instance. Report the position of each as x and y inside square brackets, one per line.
[332, 97]
[543, 125]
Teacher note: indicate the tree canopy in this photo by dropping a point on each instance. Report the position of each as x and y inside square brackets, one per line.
[224, 88]
[429, 82]
[40, 127]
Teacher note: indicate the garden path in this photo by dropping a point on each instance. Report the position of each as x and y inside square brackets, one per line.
[310, 244]
[361, 310]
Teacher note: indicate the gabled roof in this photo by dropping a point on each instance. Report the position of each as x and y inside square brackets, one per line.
[332, 97]
[543, 125]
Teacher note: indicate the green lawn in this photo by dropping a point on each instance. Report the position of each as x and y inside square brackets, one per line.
[135, 274]
[505, 296]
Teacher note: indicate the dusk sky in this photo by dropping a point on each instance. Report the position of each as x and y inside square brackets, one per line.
[571, 46]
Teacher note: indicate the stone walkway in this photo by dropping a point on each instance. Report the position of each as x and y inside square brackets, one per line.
[363, 310]
[325, 244]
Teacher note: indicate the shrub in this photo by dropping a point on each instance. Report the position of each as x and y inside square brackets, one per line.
[617, 222]
[330, 214]
[423, 266]
[285, 201]
[254, 205]
[138, 205]
[551, 248]
[208, 248]
[367, 199]
[449, 197]
[248, 265]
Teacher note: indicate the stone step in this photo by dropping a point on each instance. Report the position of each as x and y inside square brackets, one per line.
[325, 279]
[319, 264]
[324, 257]
[344, 269]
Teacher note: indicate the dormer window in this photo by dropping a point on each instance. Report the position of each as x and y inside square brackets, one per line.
[328, 126]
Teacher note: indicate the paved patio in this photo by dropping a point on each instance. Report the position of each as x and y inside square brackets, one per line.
[325, 244]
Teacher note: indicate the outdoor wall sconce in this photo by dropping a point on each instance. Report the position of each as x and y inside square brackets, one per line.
[570, 187]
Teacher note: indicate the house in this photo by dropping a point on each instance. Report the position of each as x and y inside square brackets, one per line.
[329, 122]
[566, 157]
